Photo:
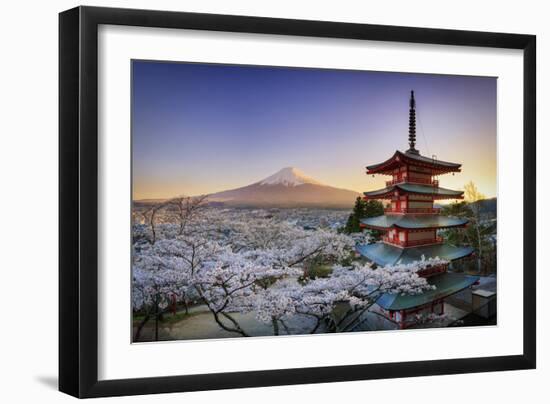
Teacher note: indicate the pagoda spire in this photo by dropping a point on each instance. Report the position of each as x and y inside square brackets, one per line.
[412, 125]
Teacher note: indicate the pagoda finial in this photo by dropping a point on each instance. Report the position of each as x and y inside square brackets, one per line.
[412, 125]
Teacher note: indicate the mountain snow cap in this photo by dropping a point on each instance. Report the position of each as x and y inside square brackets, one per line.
[290, 177]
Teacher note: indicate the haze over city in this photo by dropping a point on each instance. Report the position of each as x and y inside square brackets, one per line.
[200, 129]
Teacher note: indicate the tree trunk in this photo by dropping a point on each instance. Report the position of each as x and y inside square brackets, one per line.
[156, 321]
[275, 324]
[238, 328]
[137, 335]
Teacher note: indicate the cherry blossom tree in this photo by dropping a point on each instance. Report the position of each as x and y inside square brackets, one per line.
[356, 288]
[238, 262]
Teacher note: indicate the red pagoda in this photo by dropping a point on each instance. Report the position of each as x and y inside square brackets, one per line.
[410, 225]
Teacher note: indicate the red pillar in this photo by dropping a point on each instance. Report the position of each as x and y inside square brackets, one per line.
[402, 321]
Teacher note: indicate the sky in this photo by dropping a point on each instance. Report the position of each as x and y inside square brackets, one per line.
[203, 128]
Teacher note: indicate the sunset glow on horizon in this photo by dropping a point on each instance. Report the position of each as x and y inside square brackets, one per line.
[205, 128]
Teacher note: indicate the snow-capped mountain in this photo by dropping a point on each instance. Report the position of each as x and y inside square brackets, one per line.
[288, 187]
[289, 176]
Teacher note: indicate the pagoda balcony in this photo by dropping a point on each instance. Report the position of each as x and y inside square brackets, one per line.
[413, 180]
[413, 210]
[412, 243]
[433, 270]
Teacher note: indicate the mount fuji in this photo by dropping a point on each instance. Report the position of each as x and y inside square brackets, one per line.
[288, 187]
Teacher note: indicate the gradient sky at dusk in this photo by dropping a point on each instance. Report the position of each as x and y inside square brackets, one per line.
[202, 128]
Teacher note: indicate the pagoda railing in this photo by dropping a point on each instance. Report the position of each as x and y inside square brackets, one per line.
[394, 181]
[412, 243]
[413, 180]
[432, 240]
[413, 210]
[432, 270]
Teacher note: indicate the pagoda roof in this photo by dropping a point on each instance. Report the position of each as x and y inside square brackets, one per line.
[386, 254]
[445, 284]
[400, 158]
[411, 188]
[413, 221]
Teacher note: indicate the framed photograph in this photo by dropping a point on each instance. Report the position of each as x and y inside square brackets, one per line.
[251, 201]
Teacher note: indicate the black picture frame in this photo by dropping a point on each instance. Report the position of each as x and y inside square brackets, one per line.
[78, 201]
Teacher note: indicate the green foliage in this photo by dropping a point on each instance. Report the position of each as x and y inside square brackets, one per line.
[459, 209]
[348, 260]
[479, 233]
[476, 232]
[319, 271]
[362, 209]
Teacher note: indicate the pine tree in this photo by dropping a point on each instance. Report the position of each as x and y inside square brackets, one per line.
[362, 209]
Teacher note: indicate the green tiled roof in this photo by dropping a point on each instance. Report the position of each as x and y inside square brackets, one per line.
[386, 254]
[446, 284]
[413, 221]
[416, 189]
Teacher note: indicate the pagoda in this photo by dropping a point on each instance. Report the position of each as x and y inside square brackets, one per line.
[410, 227]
